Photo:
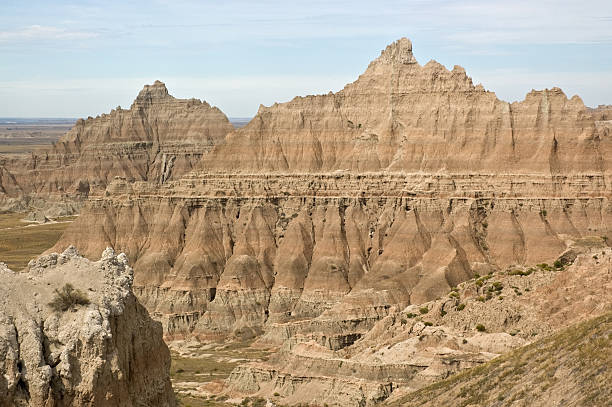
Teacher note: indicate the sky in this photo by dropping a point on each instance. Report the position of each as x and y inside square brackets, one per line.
[83, 58]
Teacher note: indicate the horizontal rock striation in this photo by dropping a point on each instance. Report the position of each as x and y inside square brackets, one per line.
[107, 352]
[401, 116]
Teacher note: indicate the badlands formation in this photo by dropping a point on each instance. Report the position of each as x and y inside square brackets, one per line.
[334, 227]
[105, 353]
[157, 139]
[385, 194]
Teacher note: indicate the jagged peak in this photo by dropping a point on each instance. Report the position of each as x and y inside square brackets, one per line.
[149, 93]
[398, 52]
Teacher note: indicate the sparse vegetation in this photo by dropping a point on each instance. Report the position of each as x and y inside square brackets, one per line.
[460, 307]
[68, 298]
[523, 374]
[427, 323]
[522, 273]
[423, 310]
[480, 328]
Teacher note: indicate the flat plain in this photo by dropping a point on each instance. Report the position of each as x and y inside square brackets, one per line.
[22, 241]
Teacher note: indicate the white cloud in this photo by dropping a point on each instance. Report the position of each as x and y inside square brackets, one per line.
[41, 32]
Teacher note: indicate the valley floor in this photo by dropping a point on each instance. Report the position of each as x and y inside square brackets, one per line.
[21, 241]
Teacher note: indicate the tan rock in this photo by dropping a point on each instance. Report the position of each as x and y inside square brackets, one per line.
[108, 352]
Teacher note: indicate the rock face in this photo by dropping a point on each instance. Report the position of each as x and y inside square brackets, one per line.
[401, 116]
[568, 368]
[385, 194]
[419, 345]
[105, 353]
[157, 139]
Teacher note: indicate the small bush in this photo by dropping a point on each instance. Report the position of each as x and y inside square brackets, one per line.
[423, 310]
[543, 212]
[481, 299]
[558, 264]
[460, 307]
[67, 297]
[410, 315]
[403, 321]
[427, 323]
[465, 341]
[442, 312]
[480, 328]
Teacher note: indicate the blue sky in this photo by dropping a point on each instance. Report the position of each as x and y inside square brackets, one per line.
[81, 58]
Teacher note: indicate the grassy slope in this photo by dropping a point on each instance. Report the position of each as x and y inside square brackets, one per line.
[19, 243]
[569, 368]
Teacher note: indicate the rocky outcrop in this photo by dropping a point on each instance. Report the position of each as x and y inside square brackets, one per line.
[567, 368]
[157, 139]
[108, 352]
[419, 345]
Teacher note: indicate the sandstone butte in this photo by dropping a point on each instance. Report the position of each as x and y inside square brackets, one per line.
[105, 353]
[329, 214]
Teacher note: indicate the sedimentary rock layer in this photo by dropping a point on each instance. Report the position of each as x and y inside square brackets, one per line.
[108, 352]
[401, 116]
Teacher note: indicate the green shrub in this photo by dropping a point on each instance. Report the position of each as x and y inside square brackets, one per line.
[442, 312]
[427, 323]
[460, 307]
[480, 328]
[558, 264]
[67, 297]
[481, 299]
[410, 315]
[423, 310]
